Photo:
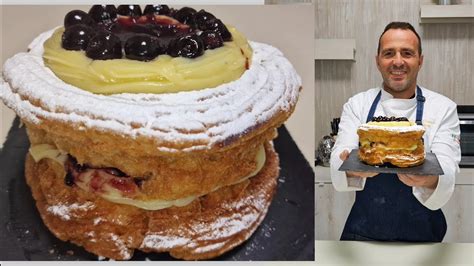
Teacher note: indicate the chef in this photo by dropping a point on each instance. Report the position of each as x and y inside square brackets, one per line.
[399, 207]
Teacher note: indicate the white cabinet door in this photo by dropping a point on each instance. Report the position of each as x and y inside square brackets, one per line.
[332, 209]
[459, 215]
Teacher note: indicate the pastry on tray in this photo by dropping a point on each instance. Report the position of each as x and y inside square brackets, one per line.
[150, 130]
[391, 140]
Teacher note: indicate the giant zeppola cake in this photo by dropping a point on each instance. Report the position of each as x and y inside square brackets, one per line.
[150, 129]
[391, 140]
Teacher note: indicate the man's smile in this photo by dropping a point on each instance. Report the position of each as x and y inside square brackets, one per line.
[398, 74]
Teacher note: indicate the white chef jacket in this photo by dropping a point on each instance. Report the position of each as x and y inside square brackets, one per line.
[442, 135]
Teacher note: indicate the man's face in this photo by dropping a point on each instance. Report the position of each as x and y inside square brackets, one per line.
[398, 60]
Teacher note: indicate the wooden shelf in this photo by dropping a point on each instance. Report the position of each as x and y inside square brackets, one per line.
[446, 14]
[334, 49]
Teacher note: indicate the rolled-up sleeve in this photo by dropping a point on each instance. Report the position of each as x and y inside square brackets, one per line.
[347, 139]
[446, 146]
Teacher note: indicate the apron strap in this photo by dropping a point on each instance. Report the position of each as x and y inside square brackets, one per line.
[420, 102]
[373, 107]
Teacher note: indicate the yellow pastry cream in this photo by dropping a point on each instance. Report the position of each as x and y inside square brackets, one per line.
[164, 74]
[392, 123]
[47, 151]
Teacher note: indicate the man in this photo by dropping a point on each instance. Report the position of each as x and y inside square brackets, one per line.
[391, 207]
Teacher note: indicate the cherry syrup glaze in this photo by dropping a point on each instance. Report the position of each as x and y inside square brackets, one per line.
[101, 177]
[105, 32]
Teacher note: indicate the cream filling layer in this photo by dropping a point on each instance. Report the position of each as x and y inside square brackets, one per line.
[392, 126]
[164, 74]
[381, 146]
[47, 151]
[391, 123]
[42, 151]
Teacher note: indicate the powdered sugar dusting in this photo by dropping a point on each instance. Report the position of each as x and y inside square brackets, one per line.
[97, 220]
[406, 158]
[163, 241]
[393, 129]
[119, 243]
[209, 247]
[207, 117]
[208, 236]
[66, 211]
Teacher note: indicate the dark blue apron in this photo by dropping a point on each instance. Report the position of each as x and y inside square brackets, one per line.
[387, 210]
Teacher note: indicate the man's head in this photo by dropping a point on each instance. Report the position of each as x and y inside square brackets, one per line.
[399, 58]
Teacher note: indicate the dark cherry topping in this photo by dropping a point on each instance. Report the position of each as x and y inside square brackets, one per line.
[104, 45]
[189, 46]
[72, 169]
[143, 47]
[211, 39]
[105, 14]
[69, 179]
[217, 26]
[388, 119]
[107, 32]
[77, 17]
[129, 10]
[115, 172]
[168, 30]
[138, 181]
[173, 12]
[202, 17]
[76, 37]
[73, 166]
[127, 21]
[143, 28]
[186, 15]
[99, 177]
[156, 10]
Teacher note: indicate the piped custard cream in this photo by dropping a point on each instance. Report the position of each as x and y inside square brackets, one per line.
[392, 126]
[391, 123]
[164, 74]
[47, 151]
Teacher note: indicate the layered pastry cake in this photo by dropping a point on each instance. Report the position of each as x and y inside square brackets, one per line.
[391, 140]
[150, 129]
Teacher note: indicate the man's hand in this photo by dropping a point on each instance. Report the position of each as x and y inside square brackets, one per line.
[344, 155]
[428, 181]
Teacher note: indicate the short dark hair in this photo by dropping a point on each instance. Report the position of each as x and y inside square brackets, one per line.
[403, 26]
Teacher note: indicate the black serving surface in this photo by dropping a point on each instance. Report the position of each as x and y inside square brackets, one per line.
[429, 167]
[287, 232]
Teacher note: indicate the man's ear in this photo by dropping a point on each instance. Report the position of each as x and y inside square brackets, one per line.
[421, 61]
[377, 61]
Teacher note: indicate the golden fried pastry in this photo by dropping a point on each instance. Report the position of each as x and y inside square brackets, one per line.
[150, 145]
[205, 228]
[397, 142]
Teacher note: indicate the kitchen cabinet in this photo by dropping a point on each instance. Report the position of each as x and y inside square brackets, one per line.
[459, 215]
[332, 209]
[334, 49]
[447, 13]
